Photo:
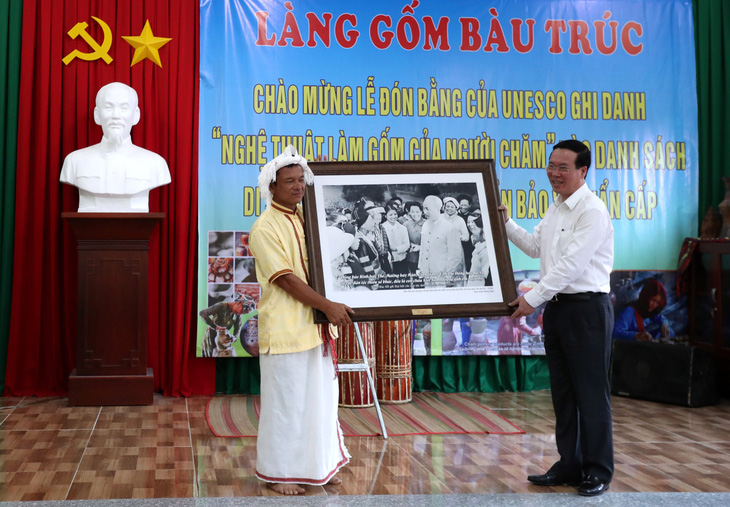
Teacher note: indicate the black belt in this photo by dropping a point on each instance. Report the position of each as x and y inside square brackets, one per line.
[580, 296]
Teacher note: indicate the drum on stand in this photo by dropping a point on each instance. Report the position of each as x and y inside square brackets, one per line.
[393, 353]
[355, 391]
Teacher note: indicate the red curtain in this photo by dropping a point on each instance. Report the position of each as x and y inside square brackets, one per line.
[55, 118]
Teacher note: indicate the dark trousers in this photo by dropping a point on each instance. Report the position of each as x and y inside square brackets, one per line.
[578, 347]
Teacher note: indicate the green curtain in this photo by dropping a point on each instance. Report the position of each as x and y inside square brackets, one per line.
[448, 374]
[712, 49]
[237, 376]
[485, 374]
[11, 13]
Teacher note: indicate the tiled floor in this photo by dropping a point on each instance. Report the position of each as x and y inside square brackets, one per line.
[49, 451]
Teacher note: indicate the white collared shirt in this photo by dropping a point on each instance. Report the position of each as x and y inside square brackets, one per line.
[574, 242]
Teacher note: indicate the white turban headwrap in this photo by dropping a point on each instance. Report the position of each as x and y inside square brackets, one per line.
[452, 201]
[268, 174]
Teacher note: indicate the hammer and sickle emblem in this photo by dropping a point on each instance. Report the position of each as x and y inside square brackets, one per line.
[100, 51]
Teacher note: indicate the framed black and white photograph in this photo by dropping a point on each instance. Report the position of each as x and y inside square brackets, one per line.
[413, 239]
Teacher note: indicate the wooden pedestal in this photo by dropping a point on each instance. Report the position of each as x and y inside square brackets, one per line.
[111, 343]
[93, 390]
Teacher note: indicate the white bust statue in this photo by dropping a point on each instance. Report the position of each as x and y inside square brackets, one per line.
[115, 175]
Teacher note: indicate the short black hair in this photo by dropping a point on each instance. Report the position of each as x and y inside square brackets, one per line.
[583, 152]
[391, 207]
[393, 202]
[410, 204]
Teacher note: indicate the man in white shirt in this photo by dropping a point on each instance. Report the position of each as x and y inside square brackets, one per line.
[574, 242]
[115, 175]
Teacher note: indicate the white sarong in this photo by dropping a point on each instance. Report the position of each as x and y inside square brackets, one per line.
[299, 437]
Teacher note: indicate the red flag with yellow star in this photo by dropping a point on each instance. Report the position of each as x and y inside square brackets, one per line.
[70, 48]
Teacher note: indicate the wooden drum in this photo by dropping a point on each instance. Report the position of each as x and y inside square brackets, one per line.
[393, 353]
[355, 390]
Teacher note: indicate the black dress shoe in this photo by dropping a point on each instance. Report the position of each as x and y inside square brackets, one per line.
[553, 479]
[592, 486]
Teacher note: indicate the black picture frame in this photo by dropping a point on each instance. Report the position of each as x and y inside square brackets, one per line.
[385, 296]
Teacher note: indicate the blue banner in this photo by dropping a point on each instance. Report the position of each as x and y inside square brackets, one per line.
[380, 81]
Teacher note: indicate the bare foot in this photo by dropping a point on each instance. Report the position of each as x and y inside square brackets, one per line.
[334, 481]
[286, 489]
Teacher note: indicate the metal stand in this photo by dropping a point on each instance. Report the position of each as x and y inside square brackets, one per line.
[364, 367]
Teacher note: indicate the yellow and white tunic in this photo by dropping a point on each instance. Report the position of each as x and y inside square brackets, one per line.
[299, 437]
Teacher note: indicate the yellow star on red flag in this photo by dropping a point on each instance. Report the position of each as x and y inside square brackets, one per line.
[146, 45]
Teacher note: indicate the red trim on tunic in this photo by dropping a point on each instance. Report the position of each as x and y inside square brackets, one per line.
[283, 209]
[280, 273]
[299, 244]
[313, 482]
[340, 440]
[327, 340]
